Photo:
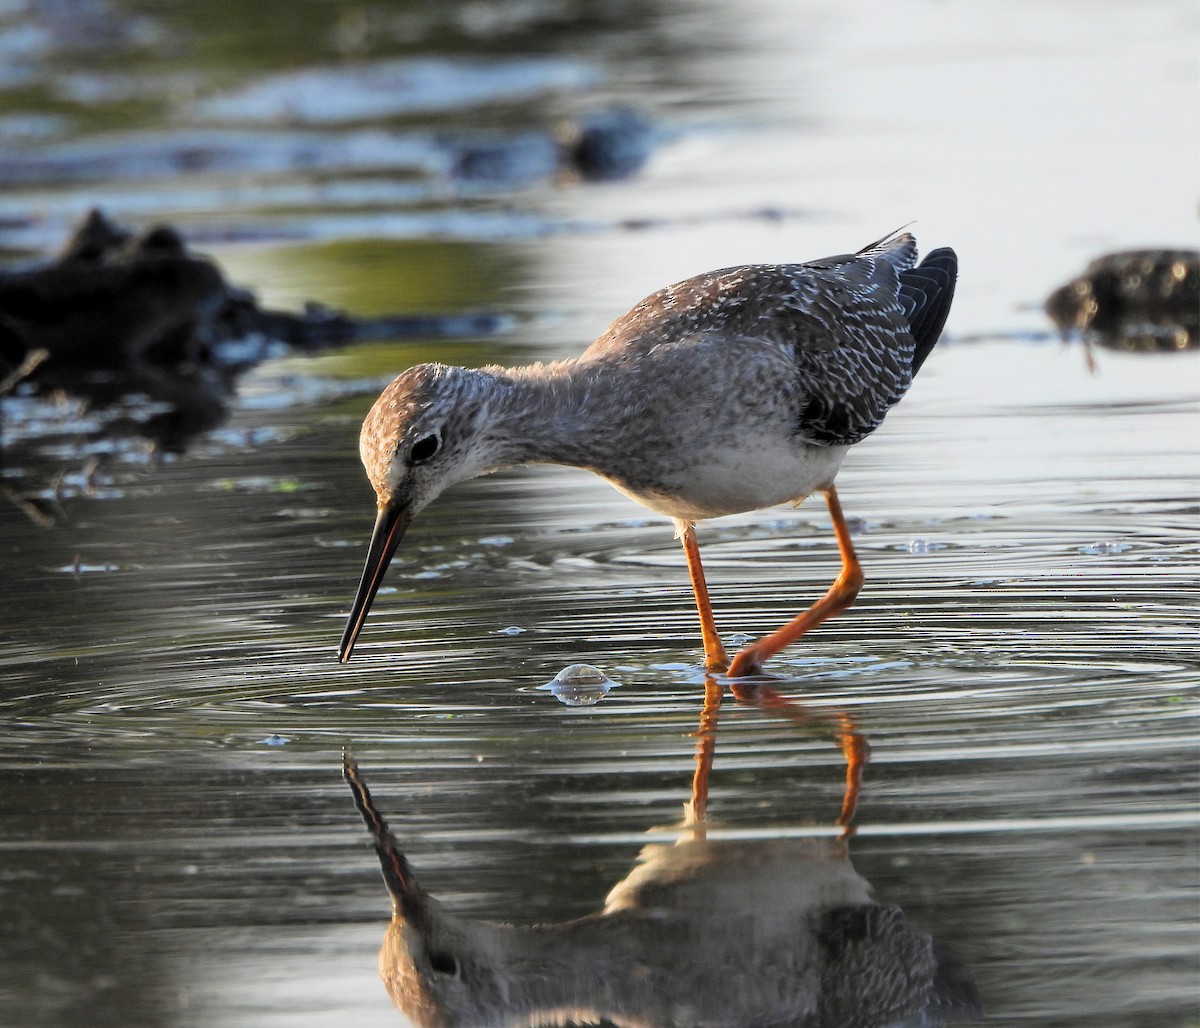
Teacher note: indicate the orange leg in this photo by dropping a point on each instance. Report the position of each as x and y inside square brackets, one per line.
[695, 811]
[857, 752]
[841, 594]
[714, 652]
[853, 744]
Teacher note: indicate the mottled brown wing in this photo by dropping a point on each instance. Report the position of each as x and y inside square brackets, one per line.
[852, 347]
[847, 319]
[717, 301]
[861, 327]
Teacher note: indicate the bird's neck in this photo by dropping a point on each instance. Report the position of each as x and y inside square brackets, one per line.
[553, 414]
[580, 970]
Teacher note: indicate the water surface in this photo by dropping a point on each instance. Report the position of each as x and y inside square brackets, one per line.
[178, 847]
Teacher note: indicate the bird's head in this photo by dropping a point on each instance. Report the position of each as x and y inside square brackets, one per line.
[422, 436]
[441, 971]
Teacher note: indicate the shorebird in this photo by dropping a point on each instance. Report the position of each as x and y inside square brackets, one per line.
[702, 932]
[728, 392]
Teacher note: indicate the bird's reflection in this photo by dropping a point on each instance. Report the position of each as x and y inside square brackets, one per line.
[702, 932]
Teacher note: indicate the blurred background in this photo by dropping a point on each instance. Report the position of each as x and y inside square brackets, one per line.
[493, 182]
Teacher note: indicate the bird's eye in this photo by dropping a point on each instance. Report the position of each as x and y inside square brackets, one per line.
[443, 963]
[423, 449]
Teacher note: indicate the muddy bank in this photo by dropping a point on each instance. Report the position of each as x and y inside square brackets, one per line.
[118, 313]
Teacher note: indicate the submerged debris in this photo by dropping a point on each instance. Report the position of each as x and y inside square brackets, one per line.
[604, 146]
[138, 336]
[110, 300]
[1140, 301]
[118, 314]
[117, 301]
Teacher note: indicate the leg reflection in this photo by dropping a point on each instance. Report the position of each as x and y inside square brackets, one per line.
[852, 743]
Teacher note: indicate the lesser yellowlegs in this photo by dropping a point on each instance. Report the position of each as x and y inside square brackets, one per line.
[728, 392]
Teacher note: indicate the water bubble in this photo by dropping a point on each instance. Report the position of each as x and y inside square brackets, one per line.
[580, 685]
[275, 740]
[512, 630]
[1104, 549]
[919, 545]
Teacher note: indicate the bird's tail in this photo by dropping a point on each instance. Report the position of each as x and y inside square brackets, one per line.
[898, 246]
[926, 292]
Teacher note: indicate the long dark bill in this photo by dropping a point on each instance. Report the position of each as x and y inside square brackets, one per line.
[407, 897]
[389, 530]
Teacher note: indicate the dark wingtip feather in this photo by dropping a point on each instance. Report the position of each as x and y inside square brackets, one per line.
[926, 293]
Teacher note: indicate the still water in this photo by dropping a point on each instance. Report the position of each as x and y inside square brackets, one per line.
[177, 846]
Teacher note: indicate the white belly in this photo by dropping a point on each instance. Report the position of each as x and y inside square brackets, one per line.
[769, 473]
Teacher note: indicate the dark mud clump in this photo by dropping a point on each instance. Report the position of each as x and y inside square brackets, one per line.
[1139, 301]
[605, 146]
[118, 314]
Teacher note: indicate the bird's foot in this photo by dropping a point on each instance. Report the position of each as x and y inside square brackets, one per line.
[746, 663]
[716, 663]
